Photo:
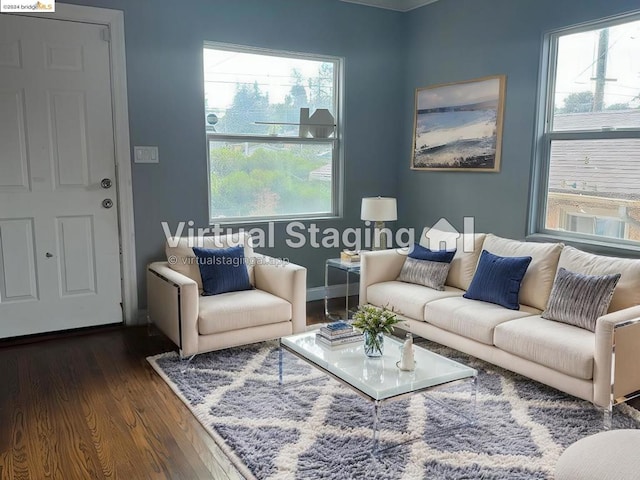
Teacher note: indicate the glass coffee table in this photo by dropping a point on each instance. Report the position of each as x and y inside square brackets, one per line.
[350, 366]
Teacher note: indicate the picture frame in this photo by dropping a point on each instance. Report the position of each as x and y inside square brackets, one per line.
[458, 126]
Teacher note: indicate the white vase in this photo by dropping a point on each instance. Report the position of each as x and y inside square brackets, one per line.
[321, 123]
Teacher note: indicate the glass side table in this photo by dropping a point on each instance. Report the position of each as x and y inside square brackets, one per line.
[350, 268]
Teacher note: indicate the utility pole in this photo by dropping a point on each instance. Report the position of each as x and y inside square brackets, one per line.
[601, 70]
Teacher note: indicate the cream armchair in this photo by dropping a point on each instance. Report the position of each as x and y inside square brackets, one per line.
[276, 307]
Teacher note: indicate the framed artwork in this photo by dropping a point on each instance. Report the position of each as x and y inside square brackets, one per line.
[458, 126]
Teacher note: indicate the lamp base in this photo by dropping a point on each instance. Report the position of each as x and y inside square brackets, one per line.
[379, 236]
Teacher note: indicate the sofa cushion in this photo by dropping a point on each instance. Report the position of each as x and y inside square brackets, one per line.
[222, 270]
[468, 247]
[431, 274]
[497, 280]
[236, 310]
[559, 346]
[578, 299]
[405, 298]
[182, 259]
[537, 282]
[423, 253]
[472, 318]
[627, 291]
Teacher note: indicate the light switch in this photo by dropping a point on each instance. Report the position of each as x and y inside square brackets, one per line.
[146, 154]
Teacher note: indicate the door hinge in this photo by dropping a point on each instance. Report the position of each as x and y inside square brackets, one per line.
[105, 34]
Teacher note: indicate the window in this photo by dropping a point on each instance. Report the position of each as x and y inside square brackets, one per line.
[262, 163]
[589, 125]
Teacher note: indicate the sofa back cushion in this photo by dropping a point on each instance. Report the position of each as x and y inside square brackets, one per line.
[538, 281]
[468, 248]
[182, 259]
[627, 291]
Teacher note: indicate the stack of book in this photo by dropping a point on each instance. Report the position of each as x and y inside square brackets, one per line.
[338, 333]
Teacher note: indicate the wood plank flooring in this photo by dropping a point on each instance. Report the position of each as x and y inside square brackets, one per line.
[88, 405]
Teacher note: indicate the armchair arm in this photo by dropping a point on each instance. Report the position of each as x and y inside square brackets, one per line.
[616, 372]
[287, 281]
[378, 266]
[173, 303]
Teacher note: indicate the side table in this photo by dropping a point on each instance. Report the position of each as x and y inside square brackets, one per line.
[350, 268]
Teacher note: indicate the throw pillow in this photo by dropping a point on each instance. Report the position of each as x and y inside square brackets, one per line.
[222, 270]
[498, 279]
[424, 272]
[579, 299]
[422, 253]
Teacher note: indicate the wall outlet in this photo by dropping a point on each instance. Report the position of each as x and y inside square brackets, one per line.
[146, 155]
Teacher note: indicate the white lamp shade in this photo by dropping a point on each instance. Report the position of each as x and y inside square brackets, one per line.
[379, 209]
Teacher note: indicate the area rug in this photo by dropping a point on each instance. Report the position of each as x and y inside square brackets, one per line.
[312, 427]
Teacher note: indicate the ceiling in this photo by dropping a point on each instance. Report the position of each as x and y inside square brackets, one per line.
[400, 5]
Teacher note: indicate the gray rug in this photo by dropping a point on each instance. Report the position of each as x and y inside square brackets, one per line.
[322, 430]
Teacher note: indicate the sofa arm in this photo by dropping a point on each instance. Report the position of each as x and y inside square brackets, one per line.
[287, 281]
[379, 266]
[173, 303]
[616, 372]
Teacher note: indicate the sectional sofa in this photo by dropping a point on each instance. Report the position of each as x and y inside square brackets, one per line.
[602, 367]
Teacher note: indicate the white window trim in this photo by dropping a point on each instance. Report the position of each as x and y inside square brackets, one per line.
[536, 229]
[336, 142]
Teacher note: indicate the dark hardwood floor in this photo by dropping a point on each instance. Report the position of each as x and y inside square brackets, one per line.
[88, 405]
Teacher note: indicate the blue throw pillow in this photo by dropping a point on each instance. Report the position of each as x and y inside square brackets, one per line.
[498, 279]
[421, 253]
[222, 270]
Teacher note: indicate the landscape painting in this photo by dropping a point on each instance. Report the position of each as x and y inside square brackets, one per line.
[458, 126]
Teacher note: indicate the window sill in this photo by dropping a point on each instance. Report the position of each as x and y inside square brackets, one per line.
[258, 221]
[600, 247]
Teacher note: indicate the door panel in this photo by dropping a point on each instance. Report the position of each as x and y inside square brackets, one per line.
[17, 261]
[10, 54]
[60, 249]
[68, 127]
[77, 255]
[14, 172]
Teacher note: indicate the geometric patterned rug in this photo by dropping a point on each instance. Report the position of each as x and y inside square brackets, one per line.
[320, 429]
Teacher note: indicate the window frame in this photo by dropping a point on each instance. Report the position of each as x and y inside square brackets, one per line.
[336, 141]
[544, 136]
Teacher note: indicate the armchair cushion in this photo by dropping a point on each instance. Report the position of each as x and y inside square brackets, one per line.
[238, 310]
[181, 258]
[222, 270]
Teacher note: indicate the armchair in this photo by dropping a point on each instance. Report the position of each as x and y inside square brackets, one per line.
[275, 307]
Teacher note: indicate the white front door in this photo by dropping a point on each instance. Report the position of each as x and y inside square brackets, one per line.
[59, 245]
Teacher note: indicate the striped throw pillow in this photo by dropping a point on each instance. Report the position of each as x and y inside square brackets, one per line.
[578, 299]
[424, 272]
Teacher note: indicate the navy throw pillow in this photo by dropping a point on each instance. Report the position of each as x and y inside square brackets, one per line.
[422, 253]
[498, 279]
[222, 270]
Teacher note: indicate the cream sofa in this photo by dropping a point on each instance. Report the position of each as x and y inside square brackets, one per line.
[601, 367]
[274, 308]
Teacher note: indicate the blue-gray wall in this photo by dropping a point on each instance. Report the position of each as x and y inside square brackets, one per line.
[387, 56]
[453, 40]
[166, 102]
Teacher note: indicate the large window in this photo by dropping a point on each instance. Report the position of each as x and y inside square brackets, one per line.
[262, 163]
[589, 143]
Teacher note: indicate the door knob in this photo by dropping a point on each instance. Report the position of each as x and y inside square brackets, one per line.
[107, 203]
[48, 255]
[106, 183]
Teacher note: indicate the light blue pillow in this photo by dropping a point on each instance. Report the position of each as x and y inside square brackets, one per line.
[498, 279]
[222, 270]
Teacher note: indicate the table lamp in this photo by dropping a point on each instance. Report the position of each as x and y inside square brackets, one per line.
[379, 210]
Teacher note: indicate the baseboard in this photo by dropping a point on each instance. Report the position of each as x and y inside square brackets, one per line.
[332, 291]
